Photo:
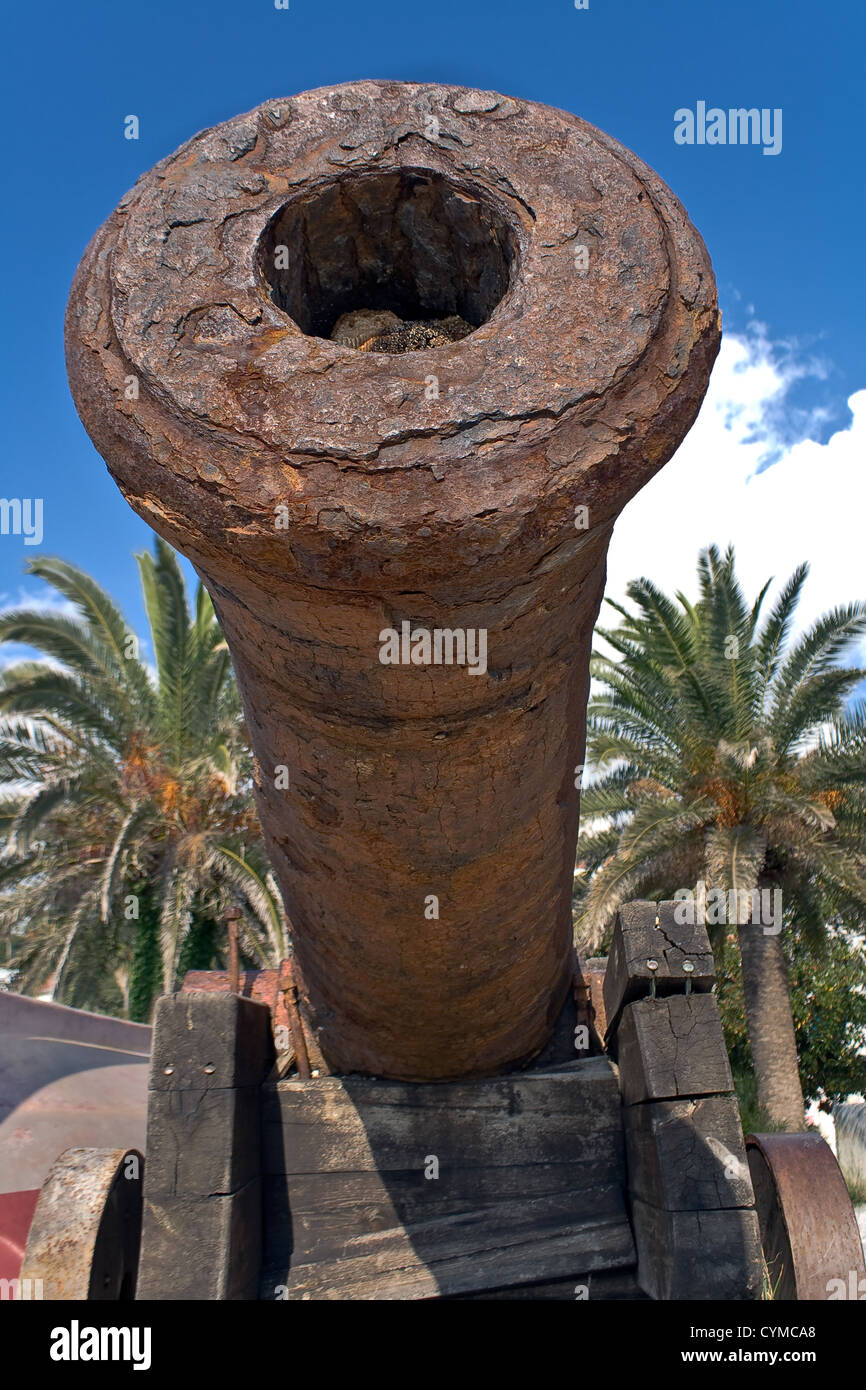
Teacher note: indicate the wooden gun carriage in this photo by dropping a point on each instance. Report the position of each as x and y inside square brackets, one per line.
[576, 1177]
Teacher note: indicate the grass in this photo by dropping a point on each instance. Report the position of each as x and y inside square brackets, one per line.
[753, 1117]
[857, 1191]
[769, 1290]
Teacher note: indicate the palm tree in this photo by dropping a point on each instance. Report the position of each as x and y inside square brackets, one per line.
[725, 757]
[125, 792]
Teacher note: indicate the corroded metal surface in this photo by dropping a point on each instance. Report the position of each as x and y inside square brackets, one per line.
[84, 1238]
[591, 979]
[808, 1227]
[264, 986]
[327, 495]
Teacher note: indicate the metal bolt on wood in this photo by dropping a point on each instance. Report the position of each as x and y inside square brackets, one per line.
[344, 507]
[296, 1029]
[232, 917]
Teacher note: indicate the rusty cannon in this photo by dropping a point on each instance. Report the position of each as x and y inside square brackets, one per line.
[386, 361]
[331, 497]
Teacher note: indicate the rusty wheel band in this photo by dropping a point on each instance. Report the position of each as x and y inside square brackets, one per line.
[808, 1227]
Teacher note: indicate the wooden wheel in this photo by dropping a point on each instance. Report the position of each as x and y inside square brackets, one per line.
[86, 1230]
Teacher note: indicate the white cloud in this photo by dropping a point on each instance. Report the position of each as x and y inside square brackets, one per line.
[808, 505]
[42, 598]
[39, 599]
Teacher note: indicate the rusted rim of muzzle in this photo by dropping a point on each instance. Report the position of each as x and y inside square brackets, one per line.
[605, 265]
[217, 412]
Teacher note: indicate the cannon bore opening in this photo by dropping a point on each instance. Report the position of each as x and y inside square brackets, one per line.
[408, 242]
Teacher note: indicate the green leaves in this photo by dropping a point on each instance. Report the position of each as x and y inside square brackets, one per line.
[734, 856]
[811, 687]
[192, 660]
[724, 756]
[103, 629]
[829, 1016]
[717, 747]
[125, 795]
[176, 646]
[771, 642]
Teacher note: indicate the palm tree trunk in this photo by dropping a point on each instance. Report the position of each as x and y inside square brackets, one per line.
[771, 1027]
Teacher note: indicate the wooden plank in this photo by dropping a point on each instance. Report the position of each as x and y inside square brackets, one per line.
[530, 1172]
[598, 1286]
[370, 1144]
[638, 939]
[672, 1047]
[579, 1084]
[202, 1223]
[333, 1125]
[411, 1194]
[510, 1243]
[435, 1236]
[324, 1217]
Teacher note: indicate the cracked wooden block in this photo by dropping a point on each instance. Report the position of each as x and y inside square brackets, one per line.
[202, 1143]
[672, 1047]
[206, 1249]
[650, 944]
[201, 1231]
[704, 1255]
[421, 814]
[687, 1155]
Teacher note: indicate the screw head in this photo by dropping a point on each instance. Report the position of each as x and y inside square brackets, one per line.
[652, 965]
[167, 1071]
[688, 966]
[209, 1069]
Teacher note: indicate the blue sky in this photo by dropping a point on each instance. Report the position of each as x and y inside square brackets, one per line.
[785, 232]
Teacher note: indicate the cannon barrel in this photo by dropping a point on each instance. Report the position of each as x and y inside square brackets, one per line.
[405, 549]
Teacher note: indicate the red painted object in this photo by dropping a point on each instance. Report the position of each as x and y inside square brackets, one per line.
[16, 1214]
[265, 986]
